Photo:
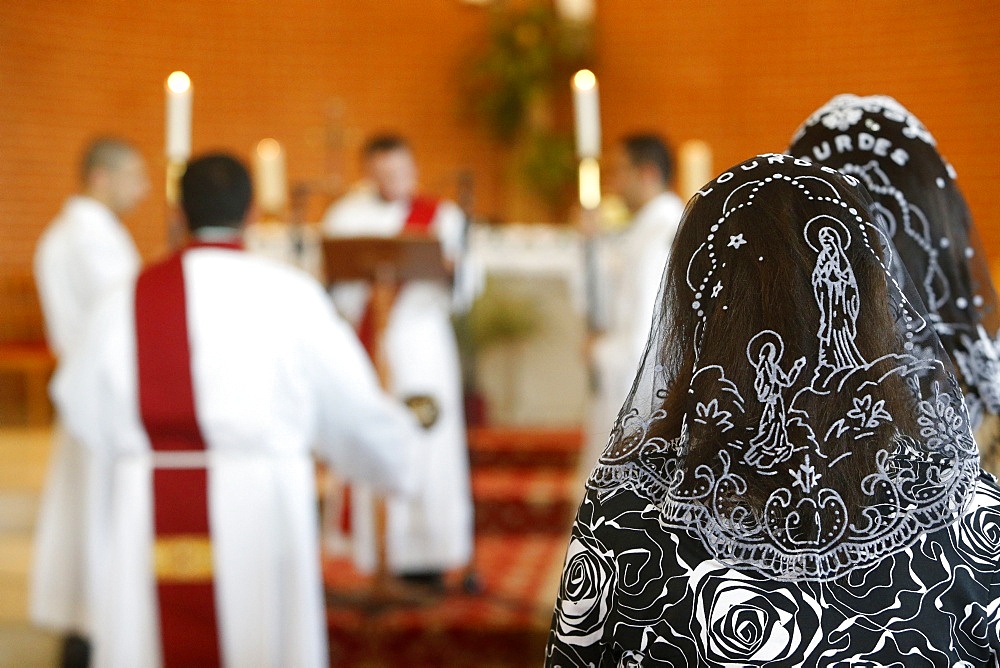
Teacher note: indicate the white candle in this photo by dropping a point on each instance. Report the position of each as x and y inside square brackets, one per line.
[695, 166]
[272, 185]
[581, 11]
[588, 115]
[178, 117]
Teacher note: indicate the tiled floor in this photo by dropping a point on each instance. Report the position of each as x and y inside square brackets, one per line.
[23, 459]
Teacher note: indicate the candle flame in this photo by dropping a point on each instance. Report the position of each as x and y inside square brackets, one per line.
[178, 82]
[584, 80]
[268, 149]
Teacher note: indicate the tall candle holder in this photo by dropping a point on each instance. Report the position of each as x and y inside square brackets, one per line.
[587, 114]
[586, 111]
[589, 174]
[175, 170]
[176, 233]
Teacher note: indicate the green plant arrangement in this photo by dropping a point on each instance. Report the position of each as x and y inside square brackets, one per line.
[513, 85]
[498, 315]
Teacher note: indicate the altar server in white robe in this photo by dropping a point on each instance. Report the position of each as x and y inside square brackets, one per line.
[630, 267]
[432, 532]
[205, 385]
[85, 252]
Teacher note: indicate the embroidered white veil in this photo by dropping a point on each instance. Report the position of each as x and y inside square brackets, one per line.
[889, 150]
[790, 409]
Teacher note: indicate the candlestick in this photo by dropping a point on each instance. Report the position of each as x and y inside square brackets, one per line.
[175, 170]
[272, 186]
[588, 114]
[176, 230]
[588, 148]
[590, 183]
[178, 140]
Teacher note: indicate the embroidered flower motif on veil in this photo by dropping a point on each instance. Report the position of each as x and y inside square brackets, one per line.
[915, 130]
[979, 361]
[940, 420]
[841, 119]
[870, 415]
[709, 414]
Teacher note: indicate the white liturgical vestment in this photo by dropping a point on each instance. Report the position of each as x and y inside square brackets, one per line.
[632, 265]
[80, 256]
[276, 375]
[433, 530]
[84, 253]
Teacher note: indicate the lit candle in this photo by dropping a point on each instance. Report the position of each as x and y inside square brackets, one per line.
[178, 117]
[588, 114]
[695, 162]
[581, 11]
[272, 186]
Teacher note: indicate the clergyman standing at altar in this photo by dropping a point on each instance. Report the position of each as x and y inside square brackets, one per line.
[204, 386]
[630, 264]
[84, 253]
[431, 532]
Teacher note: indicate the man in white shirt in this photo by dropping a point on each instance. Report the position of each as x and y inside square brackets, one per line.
[432, 532]
[631, 263]
[86, 250]
[201, 390]
[84, 253]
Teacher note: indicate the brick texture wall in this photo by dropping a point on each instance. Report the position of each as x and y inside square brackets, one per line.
[316, 75]
[321, 74]
[743, 75]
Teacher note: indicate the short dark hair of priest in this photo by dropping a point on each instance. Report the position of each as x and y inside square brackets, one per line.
[650, 149]
[215, 192]
[384, 143]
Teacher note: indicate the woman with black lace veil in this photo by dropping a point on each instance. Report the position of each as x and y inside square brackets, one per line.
[792, 480]
[916, 195]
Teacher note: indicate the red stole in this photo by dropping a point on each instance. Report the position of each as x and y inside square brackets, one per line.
[422, 210]
[182, 552]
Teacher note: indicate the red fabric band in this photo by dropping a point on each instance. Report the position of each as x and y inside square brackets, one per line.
[188, 620]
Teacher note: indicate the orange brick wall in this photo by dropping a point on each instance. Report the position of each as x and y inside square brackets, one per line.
[740, 75]
[743, 75]
[75, 68]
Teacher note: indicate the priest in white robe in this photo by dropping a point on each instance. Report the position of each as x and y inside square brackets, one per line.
[432, 532]
[84, 253]
[206, 385]
[630, 266]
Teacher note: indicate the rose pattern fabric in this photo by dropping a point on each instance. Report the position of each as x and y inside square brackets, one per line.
[934, 604]
[587, 580]
[740, 618]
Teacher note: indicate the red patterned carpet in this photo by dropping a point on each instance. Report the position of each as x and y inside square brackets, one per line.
[525, 497]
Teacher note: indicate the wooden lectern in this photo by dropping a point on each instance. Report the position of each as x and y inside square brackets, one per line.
[385, 263]
[402, 258]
